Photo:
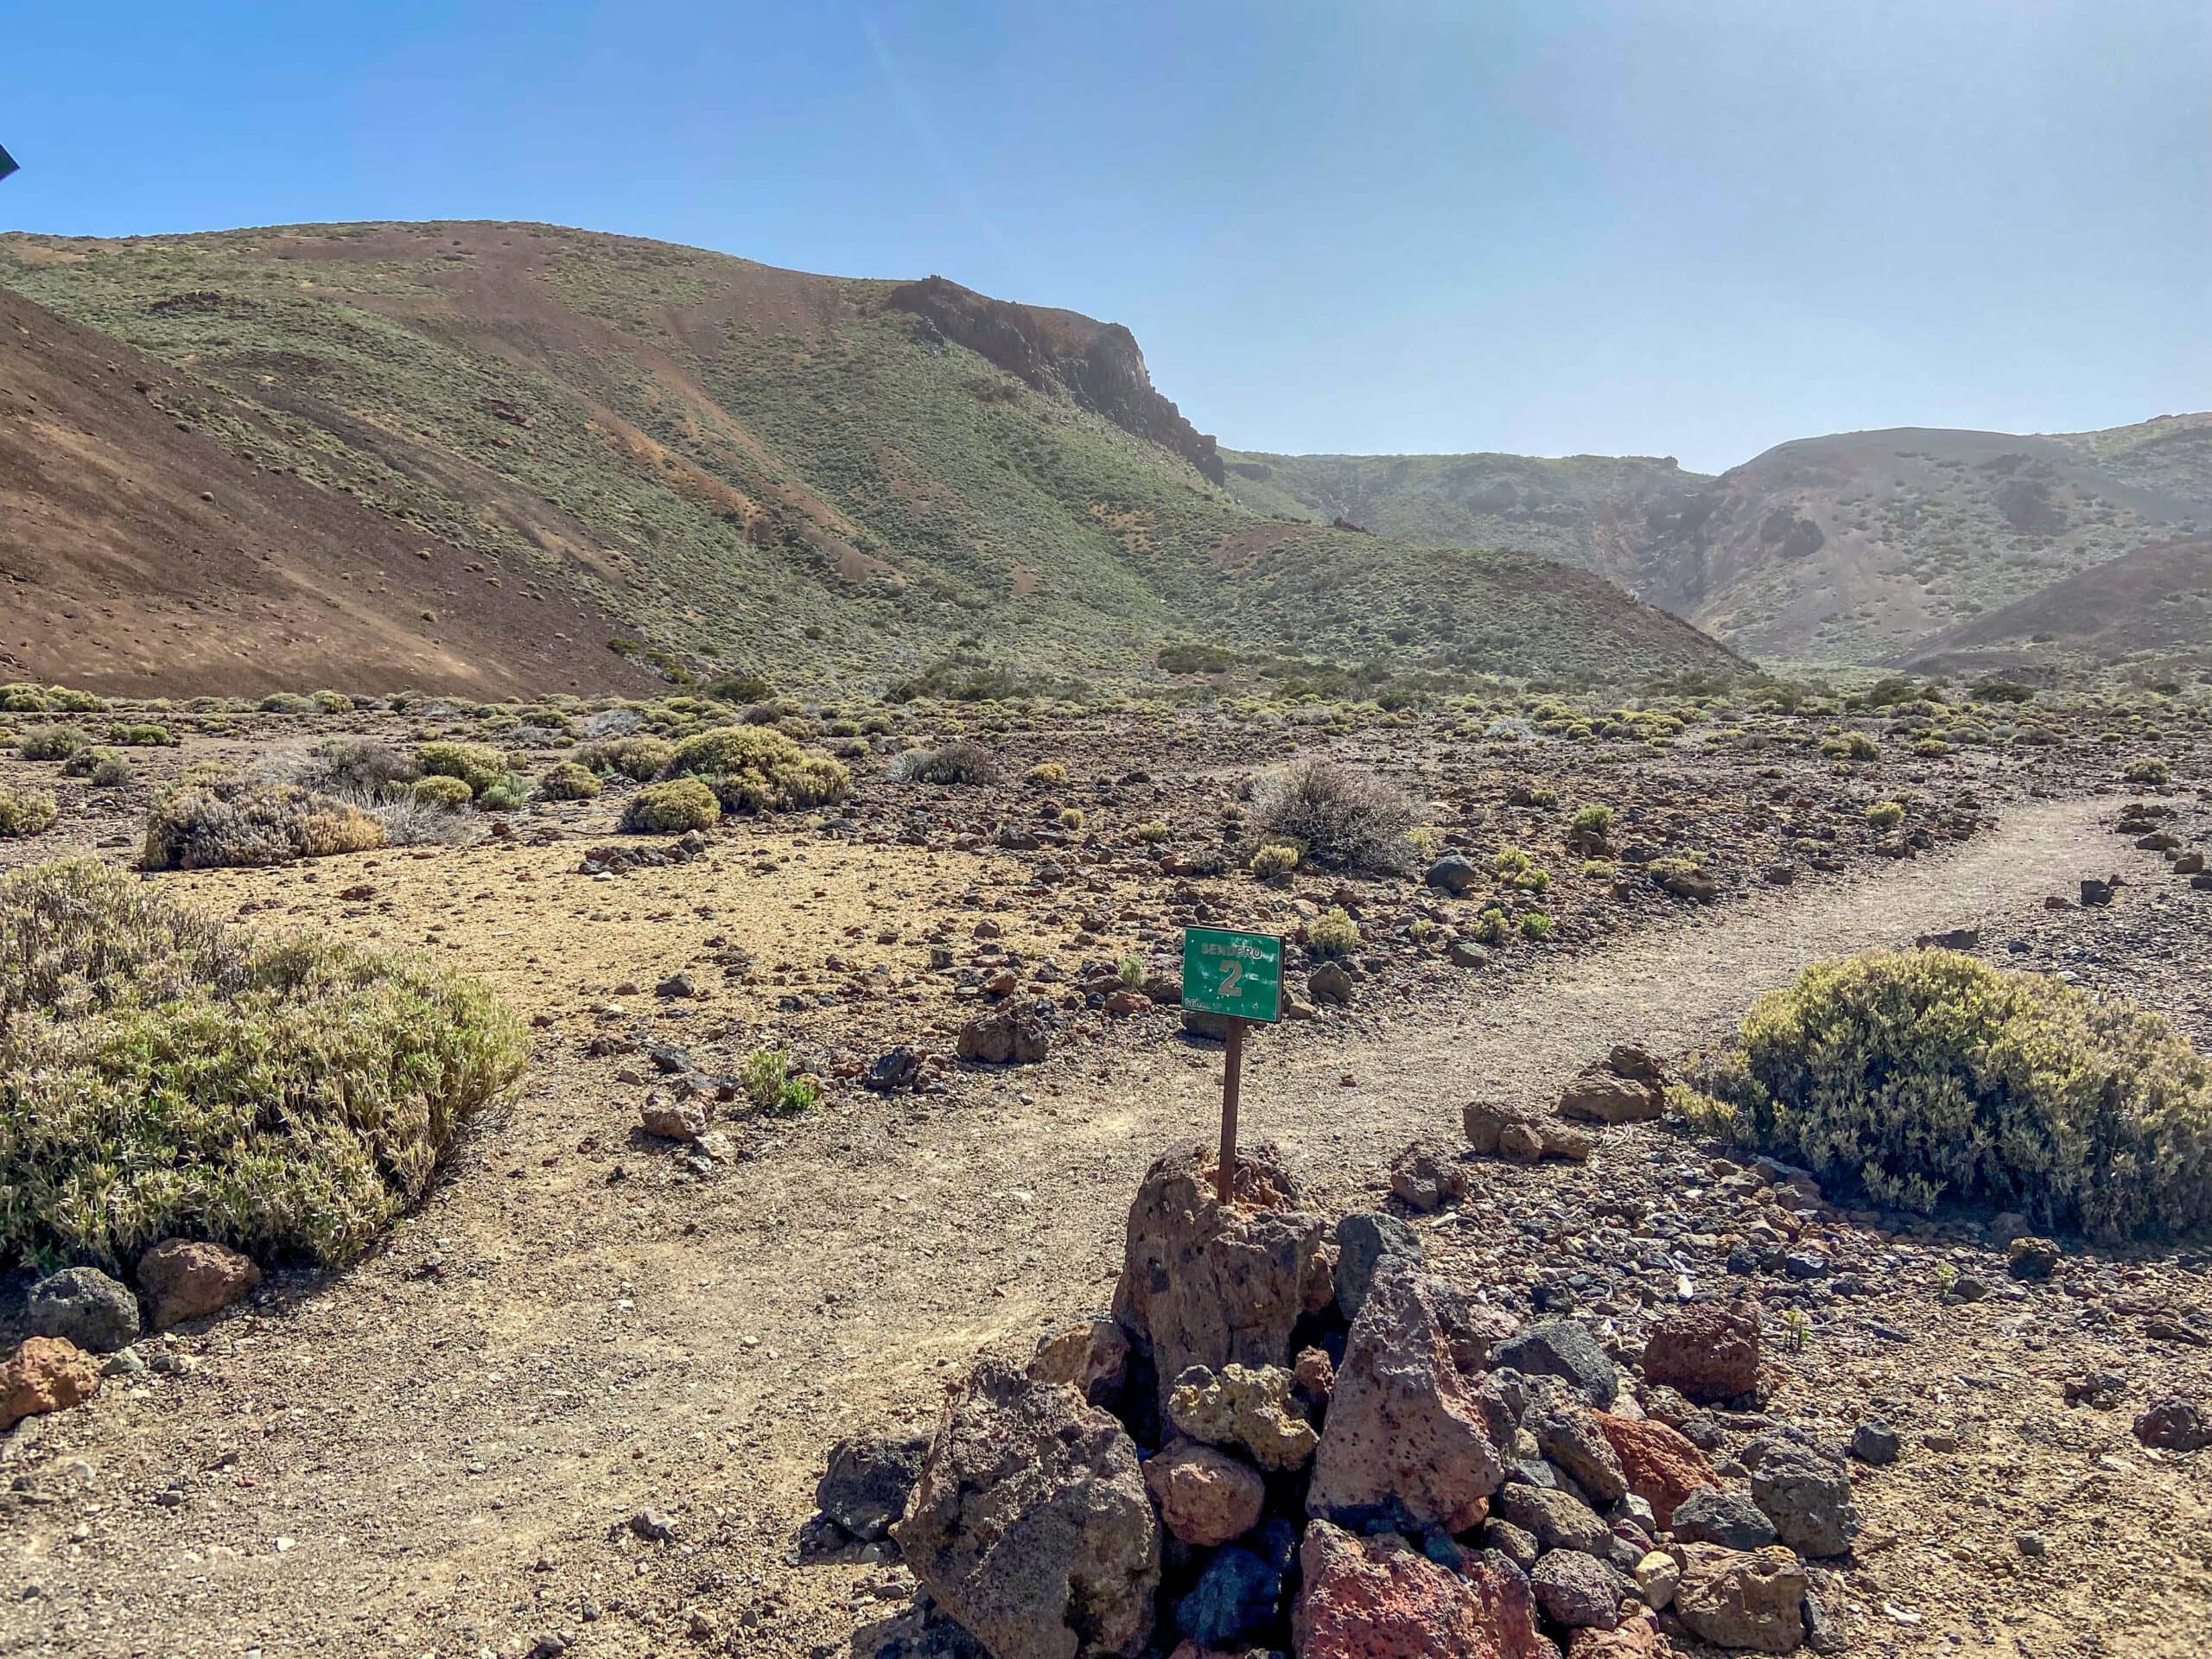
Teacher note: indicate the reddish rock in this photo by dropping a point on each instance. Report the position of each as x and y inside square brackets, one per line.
[1009, 1035]
[1662, 1465]
[45, 1374]
[1314, 1377]
[1404, 1424]
[1205, 1285]
[1603, 1096]
[1123, 1003]
[189, 1278]
[1706, 1351]
[1380, 1599]
[1428, 1175]
[1205, 1497]
[669, 1119]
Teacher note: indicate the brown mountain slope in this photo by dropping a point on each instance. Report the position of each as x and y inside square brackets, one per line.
[841, 482]
[2153, 605]
[140, 553]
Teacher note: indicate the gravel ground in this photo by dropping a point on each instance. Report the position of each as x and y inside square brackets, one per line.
[438, 1451]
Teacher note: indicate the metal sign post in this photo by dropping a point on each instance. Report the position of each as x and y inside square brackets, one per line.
[1238, 976]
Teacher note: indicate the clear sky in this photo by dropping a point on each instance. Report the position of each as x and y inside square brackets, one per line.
[1694, 229]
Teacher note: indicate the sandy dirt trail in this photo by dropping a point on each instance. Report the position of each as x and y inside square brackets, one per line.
[436, 1452]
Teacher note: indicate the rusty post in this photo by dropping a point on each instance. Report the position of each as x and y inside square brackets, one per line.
[1232, 1078]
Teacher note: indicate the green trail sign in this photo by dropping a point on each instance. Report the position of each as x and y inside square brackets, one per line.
[1236, 974]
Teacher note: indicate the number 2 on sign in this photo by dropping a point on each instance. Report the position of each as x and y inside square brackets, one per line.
[1231, 976]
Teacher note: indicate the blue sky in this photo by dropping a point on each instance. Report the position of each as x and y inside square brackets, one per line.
[1381, 225]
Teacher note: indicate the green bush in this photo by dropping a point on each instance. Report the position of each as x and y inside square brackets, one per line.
[1594, 817]
[1046, 774]
[141, 736]
[1275, 861]
[637, 757]
[478, 765]
[2149, 769]
[774, 1088]
[1334, 934]
[568, 782]
[234, 823]
[1516, 869]
[162, 1075]
[25, 812]
[83, 763]
[671, 808]
[51, 742]
[1914, 1075]
[1885, 815]
[758, 769]
[449, 793]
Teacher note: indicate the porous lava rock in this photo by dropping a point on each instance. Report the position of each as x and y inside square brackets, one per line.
[1707, 1352]
[1405, 1435]
[1208, 1284]
[190, 1278]
[1380, 1599]
[1030, 1524]
[1661, 1464]
[1204, 1495]
[1753, 1601]
[45, 1374]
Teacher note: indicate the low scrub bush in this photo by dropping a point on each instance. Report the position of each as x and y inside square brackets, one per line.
[25, 812]
[671, 808]
[774, 1088]
[1919, 1075]
[1333, 934]
[480, 765]
[162, 1075]
[638, 756]
[364, 765]
[961, 764]
[235, 822]
[2147, 769]
[52, 742]
[568, 782]
[133, 736]
[1340, 817]
[446, 794]
[758, 769]
[1046, 774]
[1885, 815]
[1275, 861]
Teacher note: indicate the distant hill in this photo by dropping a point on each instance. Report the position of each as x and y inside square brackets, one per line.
[2153, 606]
[1862, 548]
[838, 481]
[143, 549]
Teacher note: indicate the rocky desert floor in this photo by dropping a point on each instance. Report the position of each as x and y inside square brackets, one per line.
[441, 1451]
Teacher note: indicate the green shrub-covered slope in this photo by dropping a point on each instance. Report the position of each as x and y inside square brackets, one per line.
[786, 472]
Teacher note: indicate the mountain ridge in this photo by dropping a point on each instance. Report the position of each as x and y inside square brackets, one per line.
[742, 466]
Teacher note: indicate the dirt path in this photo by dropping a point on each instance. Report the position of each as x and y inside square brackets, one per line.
[436, 1452]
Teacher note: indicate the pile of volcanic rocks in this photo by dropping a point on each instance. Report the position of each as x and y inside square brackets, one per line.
[1287, 1436]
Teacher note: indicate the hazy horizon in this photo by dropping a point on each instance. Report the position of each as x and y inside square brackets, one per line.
[1695, 231]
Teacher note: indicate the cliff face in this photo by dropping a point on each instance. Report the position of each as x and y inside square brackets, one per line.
[1098, 364]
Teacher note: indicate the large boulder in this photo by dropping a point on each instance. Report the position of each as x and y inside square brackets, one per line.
[1205, 1284]
[45, 1374]
[2175, 1424]
[866, 1485]
[1407, 1438]
[1380, 1599]
[1239, 1593]
[1579, 1590]
[1566, 1432]
[1454, 873]
[1705, 1351]
[1030, 1525]
[190, 1278]
[1555, 1519]
[84, 1306]
[1754, 1601]
[1662, 1465]
[1091, 1355]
